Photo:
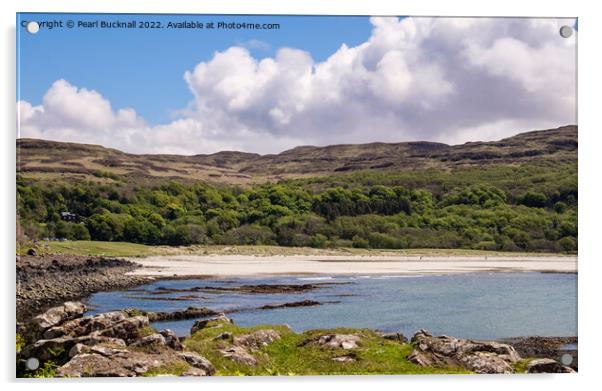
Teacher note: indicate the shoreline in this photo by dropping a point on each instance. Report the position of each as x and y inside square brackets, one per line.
[190, 266]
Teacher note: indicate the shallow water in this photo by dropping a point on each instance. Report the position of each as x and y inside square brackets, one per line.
[472, 305]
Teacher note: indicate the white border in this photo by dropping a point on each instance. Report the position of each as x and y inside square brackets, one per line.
[589, 179]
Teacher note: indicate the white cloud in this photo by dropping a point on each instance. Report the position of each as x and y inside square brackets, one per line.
[441, 79]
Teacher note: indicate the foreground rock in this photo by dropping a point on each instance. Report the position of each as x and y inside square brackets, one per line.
[243, 346]
[53, 317]
[108, 344]
[239, 355]
[546, 347]
[397, 337]
[547, 365]
[188, 313]
[257, 339]
[475, 356]
[344, 341]
[217, 321]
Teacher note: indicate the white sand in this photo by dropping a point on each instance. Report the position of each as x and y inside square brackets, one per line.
[251, 265]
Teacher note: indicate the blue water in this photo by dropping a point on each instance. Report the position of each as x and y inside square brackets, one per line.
[474, 305]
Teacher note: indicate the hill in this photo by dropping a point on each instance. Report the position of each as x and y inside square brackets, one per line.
[51, 160]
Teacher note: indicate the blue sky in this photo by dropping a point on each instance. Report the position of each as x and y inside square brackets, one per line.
[123, 64]
[317, 80]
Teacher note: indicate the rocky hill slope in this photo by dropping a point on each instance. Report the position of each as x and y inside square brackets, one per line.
[50, 160]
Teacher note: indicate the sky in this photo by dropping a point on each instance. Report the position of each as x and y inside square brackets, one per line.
[316, 80]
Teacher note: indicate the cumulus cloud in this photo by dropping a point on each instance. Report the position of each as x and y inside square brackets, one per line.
[440, 79]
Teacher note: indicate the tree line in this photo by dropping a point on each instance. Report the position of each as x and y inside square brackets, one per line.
[362, 212]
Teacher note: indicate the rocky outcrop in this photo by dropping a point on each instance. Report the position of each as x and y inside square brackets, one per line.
[199, 362]
[188, 313]
[344, 341]
[44, 281]
[546, 347]
[257, 339]
[547, 365]
[217, 321]
[397, 337]
[54, 316]
[108, 344]
[239, 355]
[343, 359]
[172, 340]
[475, 356]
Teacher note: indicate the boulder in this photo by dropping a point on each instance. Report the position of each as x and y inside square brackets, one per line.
[397, 337]
[108, 351]
[92, 365]
[188, 313]
[128, 329]
[150, 340]
[192, 371]
[475, 356]
[77, 349]
[257, 339]
[239, 355]
[547, 365]
[343, 359]
[172, 340]
[55, 316]
[201, 324]
[110, 363]
[199, 362]
[224, 335]
[85, 325]
[345, 341]
[46, 349]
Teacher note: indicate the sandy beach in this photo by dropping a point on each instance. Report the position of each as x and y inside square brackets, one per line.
[251, 265]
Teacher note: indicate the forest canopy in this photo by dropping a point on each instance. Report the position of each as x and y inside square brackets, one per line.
[508, 208]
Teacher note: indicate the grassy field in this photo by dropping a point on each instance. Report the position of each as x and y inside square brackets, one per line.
[88, 247]
[293, 355]
[123, 249]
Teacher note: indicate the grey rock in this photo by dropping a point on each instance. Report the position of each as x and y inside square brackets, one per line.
[128, 329]
[153, 339]
[55, 316]
[224, 335]
[547, 365]
[343, 359]
[239, 355]
[397, 337]
[194, 372]
[199, 362]
[475, 356]
[201, 324]
[345, 341]
[172, 340]
[257, 339]
[122, 364]
[85, 325]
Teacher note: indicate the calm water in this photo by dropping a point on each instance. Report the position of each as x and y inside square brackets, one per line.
[476, 305]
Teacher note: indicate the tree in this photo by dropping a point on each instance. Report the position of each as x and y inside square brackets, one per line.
[534, 199]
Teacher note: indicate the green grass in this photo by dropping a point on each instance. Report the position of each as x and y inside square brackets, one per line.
[124, 249]
[93, 248]
[521, 365]
[290, 356]
[47, 370]
[20, 342]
